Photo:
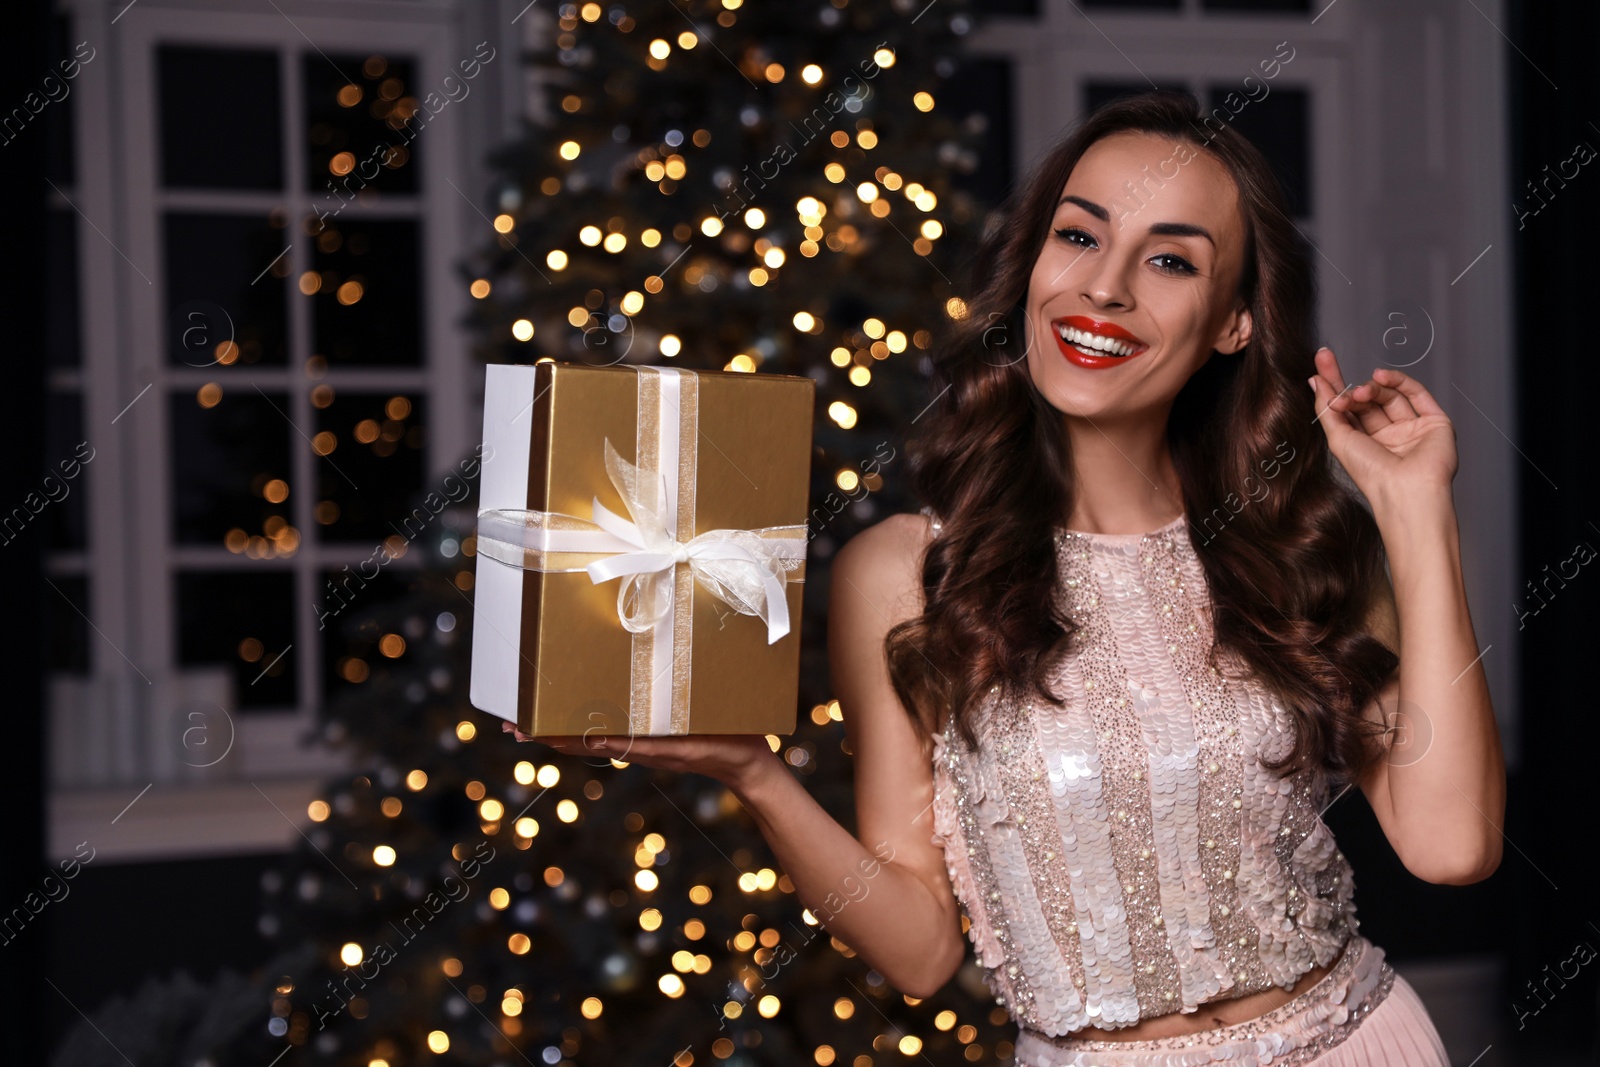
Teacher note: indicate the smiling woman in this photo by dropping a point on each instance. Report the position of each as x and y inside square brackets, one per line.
[1135, 732]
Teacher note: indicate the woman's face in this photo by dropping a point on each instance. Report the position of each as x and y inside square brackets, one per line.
[1141, 273]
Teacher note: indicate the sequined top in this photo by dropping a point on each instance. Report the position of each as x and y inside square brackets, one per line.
[1124, 857]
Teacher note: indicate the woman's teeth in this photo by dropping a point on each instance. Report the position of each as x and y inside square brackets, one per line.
[1094, 344]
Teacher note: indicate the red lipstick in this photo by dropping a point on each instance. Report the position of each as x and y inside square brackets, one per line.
[1094, 344]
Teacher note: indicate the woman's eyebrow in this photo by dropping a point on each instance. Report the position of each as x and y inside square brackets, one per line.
[1088, 205]
[1160, 229]
[1181, 229]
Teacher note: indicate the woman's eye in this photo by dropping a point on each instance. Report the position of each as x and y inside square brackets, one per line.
[1173, 264]
[1070, 234]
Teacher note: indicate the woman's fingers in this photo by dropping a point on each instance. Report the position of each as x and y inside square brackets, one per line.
[1375, 406]
[1327, 365]
[1416, 394]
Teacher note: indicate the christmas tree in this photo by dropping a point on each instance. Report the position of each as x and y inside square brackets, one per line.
[742, 186]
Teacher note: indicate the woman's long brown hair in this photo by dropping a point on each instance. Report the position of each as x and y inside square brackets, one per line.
[1292, 575]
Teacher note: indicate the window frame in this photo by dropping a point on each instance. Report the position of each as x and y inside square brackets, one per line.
[103, 749]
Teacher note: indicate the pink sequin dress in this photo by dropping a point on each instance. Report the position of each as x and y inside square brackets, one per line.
[1125, 857]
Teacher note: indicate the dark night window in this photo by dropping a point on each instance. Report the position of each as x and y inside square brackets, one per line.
[372, 467]
[225, 290]
[63, 342]
[1012, 8]
[1257, 7]
[983, 85]
[232, 95]
[367, 292]
[68, 605]
[359, 110]
[1097, 93]
[242, 620]
[1279, 125]
[231, 470]
[1135, 5]
[67, 474]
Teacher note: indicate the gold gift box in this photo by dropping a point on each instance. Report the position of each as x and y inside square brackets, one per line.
[550, 651]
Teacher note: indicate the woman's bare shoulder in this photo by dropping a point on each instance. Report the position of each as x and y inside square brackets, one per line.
[884, 561]
[897, 540]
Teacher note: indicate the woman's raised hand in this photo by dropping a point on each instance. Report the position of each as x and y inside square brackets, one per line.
[733, 759]
[1392, 437]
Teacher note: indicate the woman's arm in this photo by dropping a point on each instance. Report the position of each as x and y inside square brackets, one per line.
[1440, 795]
[906, 923]
[887, 895]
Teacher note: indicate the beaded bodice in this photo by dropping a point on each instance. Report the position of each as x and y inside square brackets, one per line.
[1125, 856]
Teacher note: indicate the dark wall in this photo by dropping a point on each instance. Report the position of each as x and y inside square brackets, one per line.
[1551, 822]
[24, 58]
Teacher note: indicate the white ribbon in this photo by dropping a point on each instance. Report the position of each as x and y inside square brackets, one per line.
[745, 569]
